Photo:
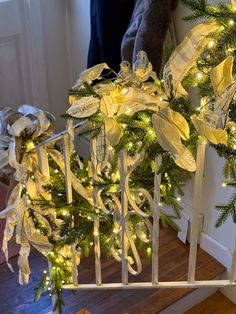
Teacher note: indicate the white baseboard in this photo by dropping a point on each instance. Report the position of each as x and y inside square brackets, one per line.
[222, 255]
[216, 250]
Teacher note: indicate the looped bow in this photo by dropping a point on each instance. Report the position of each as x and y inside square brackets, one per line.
[16, 128]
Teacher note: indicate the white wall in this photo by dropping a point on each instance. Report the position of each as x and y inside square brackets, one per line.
[78, 35]
[56, 56]
[66, 26]
[213, 192]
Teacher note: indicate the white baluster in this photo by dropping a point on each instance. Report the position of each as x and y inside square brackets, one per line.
[69, 196]
[97, 249]
[156, 211]
[124, 211]
[201, 150]
[44, 167]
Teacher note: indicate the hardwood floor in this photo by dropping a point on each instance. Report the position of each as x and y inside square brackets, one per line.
[15, 299]
[217, 304]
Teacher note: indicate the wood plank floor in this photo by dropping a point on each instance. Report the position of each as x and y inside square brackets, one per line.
[216, 303]
[173, 266]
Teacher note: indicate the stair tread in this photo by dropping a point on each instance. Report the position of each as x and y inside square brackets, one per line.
[216, 303]
[173, 266]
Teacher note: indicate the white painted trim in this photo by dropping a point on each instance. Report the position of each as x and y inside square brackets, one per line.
[189, 301]
[215, 249]
[213, 283]
[36, 51]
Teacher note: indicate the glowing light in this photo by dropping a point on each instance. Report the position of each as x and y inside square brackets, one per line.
[147, 120]
[149, 250]
[124, 91]
[161, 99]
[45, 272]
[178, 199]
[91, 243]
[95, 233]
[47, 278]
[65, 213]
[56, 170]
[159, 204]
[30, 145]
[231, 22]
[130, 145]
[89, 218]
[199, 75]
[110, 148]
[223, 184]
[140, 193]
[211, 44]
[150, 131]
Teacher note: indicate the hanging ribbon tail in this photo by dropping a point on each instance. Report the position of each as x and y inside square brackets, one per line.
[8, 233]
[10, 214]
[23, 263]
[169, 137]
[185, 56]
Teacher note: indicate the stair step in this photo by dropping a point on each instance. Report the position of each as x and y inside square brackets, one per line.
[173, 266]
[216, 303]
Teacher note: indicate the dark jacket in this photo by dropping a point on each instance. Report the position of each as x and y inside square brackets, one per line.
[109, 22]
[147, 30]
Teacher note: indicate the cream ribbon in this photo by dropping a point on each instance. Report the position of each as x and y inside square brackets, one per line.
[34, 122]
[185, 56]
[170, 128]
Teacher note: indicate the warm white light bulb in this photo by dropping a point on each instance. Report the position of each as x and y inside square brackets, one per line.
[211, 44]
[199, 75]
[231, 22]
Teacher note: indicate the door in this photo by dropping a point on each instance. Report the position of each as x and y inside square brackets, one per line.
[22, 70]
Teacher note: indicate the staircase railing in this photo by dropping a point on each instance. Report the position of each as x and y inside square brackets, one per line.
[123, 209]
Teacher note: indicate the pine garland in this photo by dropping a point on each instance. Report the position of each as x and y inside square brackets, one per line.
[224, 41]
